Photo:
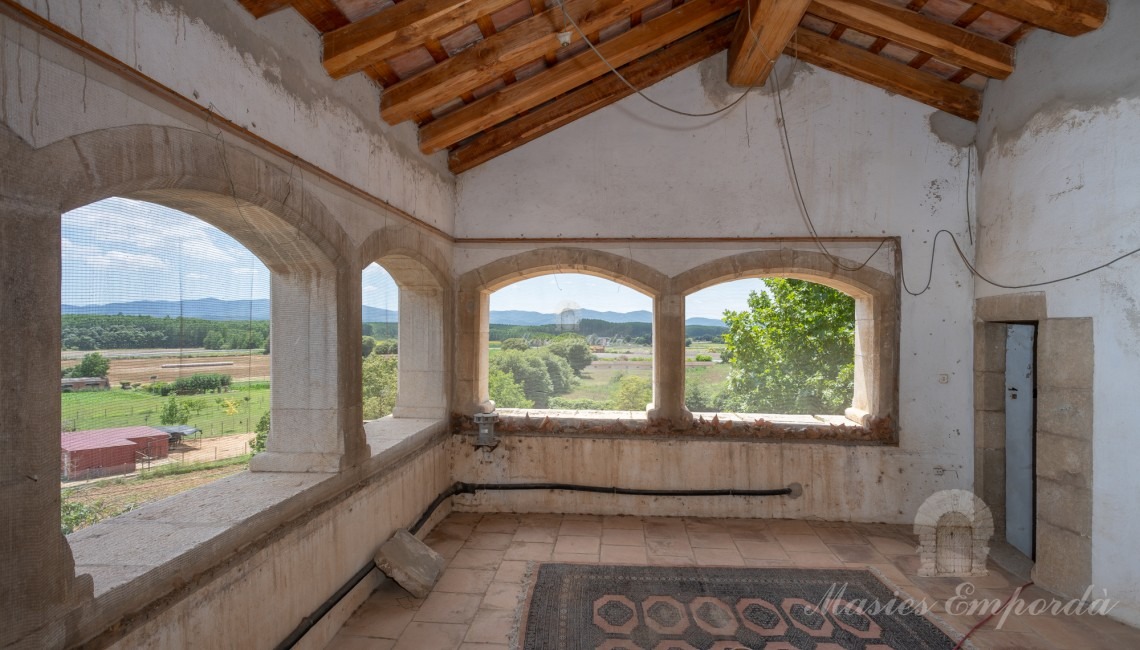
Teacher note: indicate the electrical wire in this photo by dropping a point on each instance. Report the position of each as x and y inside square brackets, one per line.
[985, 620]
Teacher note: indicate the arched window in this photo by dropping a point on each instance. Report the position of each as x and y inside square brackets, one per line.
[570, 341]
[380, 324]
[165, 356]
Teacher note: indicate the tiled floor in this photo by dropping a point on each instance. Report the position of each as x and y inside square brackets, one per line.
[473, 605]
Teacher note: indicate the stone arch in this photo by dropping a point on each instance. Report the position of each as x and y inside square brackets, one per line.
[475, 286]
[952, 509]
[877, 316]
[416, 265]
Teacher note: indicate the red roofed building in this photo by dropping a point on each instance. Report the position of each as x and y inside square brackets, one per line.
[100, 452]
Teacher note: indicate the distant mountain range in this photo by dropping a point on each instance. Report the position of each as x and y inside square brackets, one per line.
[214, 309]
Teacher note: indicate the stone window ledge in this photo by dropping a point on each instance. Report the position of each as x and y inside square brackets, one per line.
[728, 426]
[142, 556]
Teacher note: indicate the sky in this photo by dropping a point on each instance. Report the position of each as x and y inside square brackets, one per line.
[119, 250]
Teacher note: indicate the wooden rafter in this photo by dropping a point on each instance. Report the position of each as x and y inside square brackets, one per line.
[1068, 17]
[262, 8]
[398, 29]
[492, 57]
[947, 42]
[595, 95]
[885, 73]
[762, 31]
[524, 95]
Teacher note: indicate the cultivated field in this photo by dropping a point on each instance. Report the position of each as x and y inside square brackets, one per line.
[138, 366]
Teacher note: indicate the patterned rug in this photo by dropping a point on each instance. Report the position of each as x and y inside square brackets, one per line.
[580, 606]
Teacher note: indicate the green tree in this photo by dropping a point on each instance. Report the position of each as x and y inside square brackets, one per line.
[214, 340]
[515, 344]
[562, 379]
[379, 383]
[573, 348]
[505, 392]
[792, 351]
[633, 394]
[173, 413]
[528, 371]
[92, 365]
[261, 434]
[367, 345]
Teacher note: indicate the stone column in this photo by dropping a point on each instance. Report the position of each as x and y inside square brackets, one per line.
[472, 336]
[317, 421]
[423, 392]
[669, 361]
[37, 570]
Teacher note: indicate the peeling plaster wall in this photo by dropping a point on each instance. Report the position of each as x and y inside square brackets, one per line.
[264, 75]
[870, 164]
[1060, 192]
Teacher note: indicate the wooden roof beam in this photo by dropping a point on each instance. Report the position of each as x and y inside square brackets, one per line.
[524, 95]
[885, 73]
[762, 31]
[947, 42]
[262, 8]
[498, 54]
[398, 29]
[597, 94]
[1068, 17]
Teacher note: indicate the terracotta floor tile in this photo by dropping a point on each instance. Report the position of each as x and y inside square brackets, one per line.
[502, 595]
[666, 528]
[511, 571]
[537, 551]
[580, 527]
[454, 529]
[761, 550]
[447, 547]
[623, 555]
[891, 545]
[625, 522]
[801, 543]
[387, 622]
[857, 553]
[490, 626]
[669, 547]
[575, 558]
[711, 540]
[752, 536]
[790, 527]
[767, 564]
[497, 524]
[844, 536]
[437, 636]
[464, 581]
[344, 641]
[440, 607]
[473, 558]
[718, 557]
[546, 534]
[489, 541]
[576, 544]
[671, 560]
[814, 560]
[623, 537]
[484, 646]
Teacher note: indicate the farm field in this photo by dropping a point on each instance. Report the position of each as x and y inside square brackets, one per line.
[138, 366]
[216, 414]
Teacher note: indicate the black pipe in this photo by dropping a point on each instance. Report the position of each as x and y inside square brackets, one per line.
[460, 487]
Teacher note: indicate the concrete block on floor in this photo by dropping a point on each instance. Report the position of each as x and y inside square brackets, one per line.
[411, 563]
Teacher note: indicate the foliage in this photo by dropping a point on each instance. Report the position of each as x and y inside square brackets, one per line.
[367, 344]
[515, 344]
[579, 404]
[505, 392]
[633, 393]
[386, 346]
[381, 330]
[82, 410]
[92, 365]
[261, 434]
[792, 351]
[99, 332]
[574, 349]
[173, 412]
[174, 469]
[379, 383]
[202, 382]
[528, 370]
[76, 514]
[697, 400]
[703, 357]
[562, 378]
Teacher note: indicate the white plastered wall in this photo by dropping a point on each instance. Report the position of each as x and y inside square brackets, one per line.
[1060, 192]
[870, 164]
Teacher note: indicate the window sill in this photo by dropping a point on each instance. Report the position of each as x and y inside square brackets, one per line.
[139, 557]
[728, 426]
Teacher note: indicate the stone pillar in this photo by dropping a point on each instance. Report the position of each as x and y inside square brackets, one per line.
[472, 336]
[317, 421]
[423, 392]
[37, 570]
[669, 361]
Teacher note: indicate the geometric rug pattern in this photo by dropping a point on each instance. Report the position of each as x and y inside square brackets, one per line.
[608, 607]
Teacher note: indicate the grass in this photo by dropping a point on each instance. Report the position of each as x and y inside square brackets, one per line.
[596, 382]
[103, 409]
[174, 469]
